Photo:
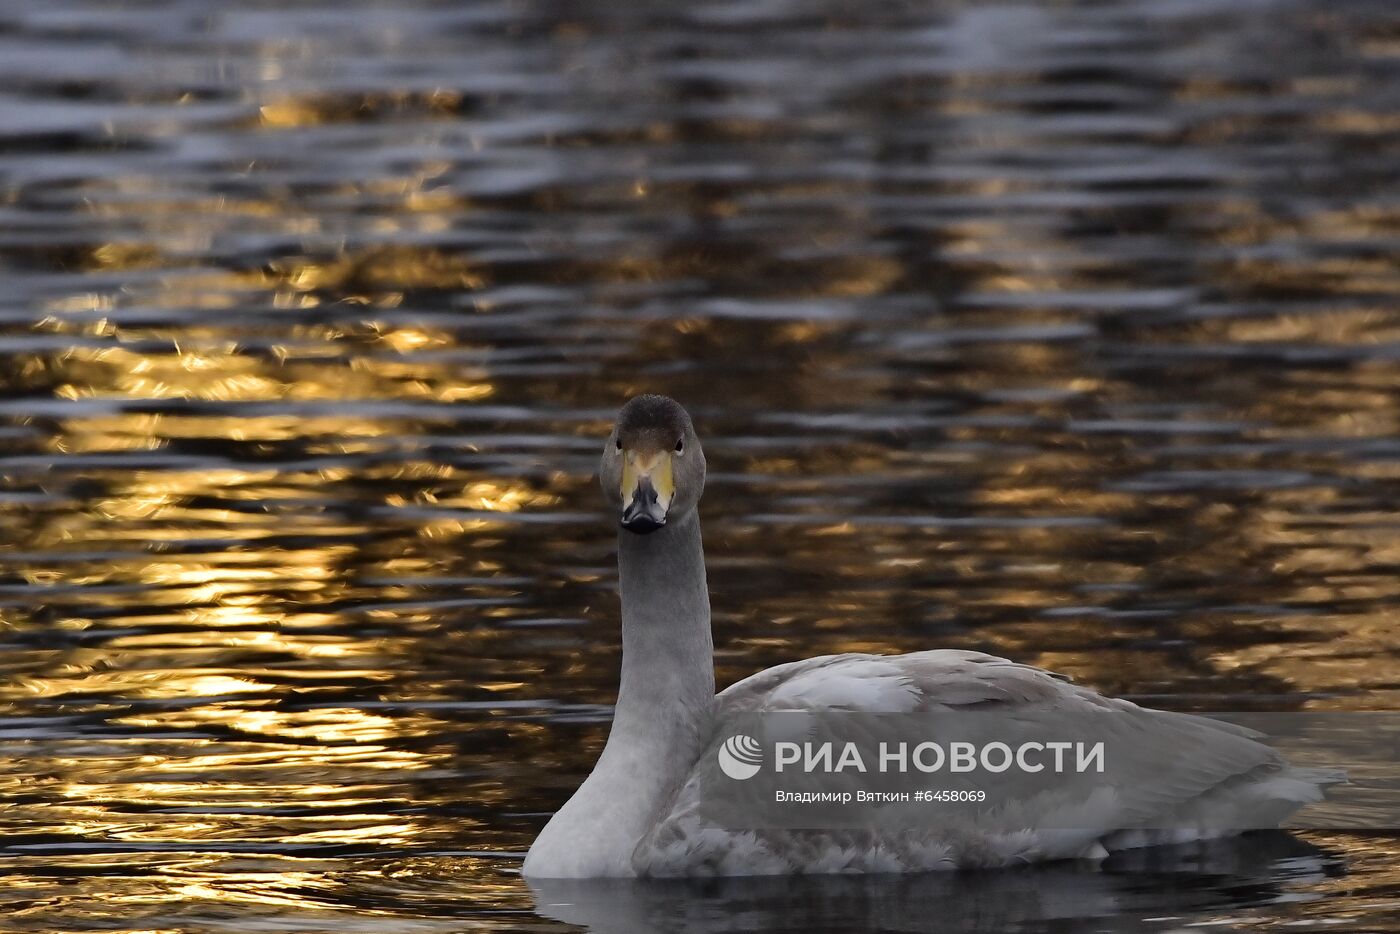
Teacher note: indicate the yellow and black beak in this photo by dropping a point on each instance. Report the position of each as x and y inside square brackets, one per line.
[648, 485]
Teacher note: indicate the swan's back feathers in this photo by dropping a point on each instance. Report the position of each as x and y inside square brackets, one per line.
[1173, 776]
[919, 681]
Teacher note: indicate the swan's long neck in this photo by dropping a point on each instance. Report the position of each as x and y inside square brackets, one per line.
[667, 652]
[664, 712]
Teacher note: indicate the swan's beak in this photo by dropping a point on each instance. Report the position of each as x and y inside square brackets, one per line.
[647, 487]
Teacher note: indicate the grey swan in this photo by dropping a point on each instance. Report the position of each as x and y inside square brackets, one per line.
[638, 813]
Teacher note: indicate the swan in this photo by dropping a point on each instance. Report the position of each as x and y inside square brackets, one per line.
[640, 812]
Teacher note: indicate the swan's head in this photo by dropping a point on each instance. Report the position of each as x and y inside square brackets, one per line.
[653, 469]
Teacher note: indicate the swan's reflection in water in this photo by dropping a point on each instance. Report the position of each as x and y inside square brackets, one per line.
[1159, 889]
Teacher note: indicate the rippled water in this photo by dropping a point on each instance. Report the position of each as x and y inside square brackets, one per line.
[1068, 332]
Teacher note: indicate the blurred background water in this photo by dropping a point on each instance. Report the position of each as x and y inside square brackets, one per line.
[1065, 331]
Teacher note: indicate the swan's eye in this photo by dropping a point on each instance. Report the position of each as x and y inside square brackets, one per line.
[680, 446]
[617, 444]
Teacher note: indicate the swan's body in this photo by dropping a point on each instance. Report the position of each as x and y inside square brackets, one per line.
[639, 813]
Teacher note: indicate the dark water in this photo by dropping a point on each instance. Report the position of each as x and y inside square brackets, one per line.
[1067, 332]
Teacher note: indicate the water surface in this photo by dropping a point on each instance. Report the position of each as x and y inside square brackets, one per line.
[1067, 332]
